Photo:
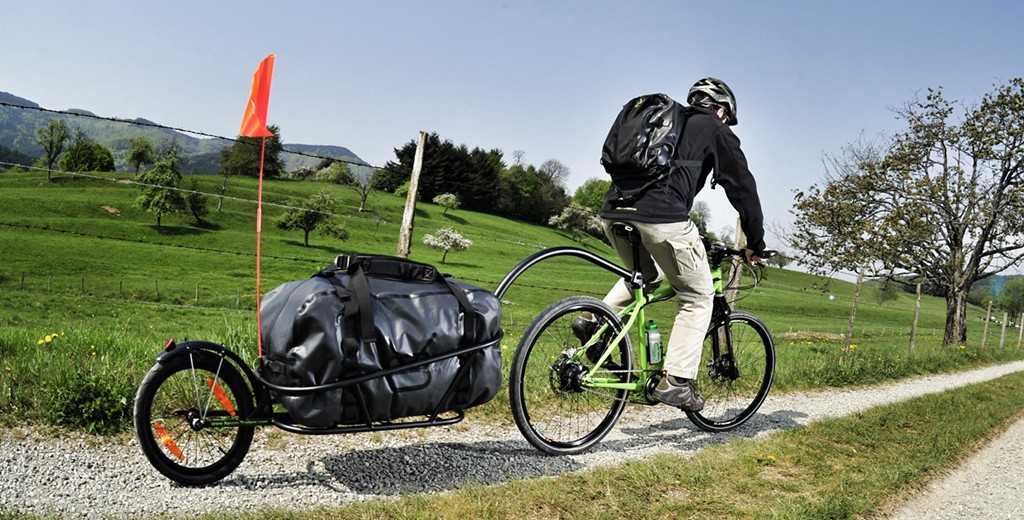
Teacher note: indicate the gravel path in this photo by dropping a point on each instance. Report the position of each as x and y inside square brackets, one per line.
[83, 477]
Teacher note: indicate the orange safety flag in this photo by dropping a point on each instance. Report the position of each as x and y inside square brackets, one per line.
[254, 121]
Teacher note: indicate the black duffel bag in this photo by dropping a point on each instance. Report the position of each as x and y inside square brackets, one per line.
[349, 330]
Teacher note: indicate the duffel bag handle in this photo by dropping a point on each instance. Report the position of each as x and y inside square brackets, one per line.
[359, 267]
[388, 266]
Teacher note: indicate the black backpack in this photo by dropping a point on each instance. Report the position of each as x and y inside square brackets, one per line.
[641, 145]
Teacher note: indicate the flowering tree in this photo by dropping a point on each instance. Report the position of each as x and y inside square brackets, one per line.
[447, 201]
[447, 239]
[578, 220]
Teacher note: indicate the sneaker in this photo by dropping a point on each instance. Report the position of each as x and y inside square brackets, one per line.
[584, 330]
[679, 393]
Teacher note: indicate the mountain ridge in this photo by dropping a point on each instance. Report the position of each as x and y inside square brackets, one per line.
[20, 117]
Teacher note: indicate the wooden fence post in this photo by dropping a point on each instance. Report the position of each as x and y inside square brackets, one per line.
[405, 233]
[853, 309]
[1020, 330]
[1002, 333]
[988, 318]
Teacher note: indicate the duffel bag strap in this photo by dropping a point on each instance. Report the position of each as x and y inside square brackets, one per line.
[468, 313]
[356, 301]
[360, 266]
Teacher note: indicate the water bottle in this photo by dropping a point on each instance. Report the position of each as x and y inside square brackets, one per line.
[653, 342]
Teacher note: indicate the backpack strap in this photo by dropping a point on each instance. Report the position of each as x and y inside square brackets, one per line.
[625, 199]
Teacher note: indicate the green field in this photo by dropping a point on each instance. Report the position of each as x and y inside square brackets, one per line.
[90, 289]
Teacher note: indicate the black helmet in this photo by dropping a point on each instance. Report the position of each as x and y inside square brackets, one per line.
[715, 93]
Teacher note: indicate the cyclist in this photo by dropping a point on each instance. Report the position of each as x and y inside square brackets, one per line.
[672, 249]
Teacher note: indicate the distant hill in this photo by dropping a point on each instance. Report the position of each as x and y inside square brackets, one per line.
[199, 155]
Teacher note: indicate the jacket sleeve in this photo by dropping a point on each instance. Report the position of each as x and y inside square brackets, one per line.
[732, 173]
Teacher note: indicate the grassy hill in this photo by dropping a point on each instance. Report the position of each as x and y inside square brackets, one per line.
[90, 288]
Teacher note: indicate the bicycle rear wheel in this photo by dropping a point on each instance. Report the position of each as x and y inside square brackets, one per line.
[554, 409]
[734, 389]
[172, 407]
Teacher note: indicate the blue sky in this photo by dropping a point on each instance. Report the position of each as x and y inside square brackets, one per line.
[544, 77]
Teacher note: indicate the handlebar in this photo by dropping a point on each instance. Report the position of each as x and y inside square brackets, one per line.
[717, 251]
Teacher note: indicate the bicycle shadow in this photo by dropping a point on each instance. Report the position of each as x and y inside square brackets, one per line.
[417, 468]
[683, 435]
[445, 466]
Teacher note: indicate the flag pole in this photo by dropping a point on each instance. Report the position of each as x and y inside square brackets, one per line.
[259, 232]
[254, 124]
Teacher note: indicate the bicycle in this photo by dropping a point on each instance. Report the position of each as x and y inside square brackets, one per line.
[567, 394]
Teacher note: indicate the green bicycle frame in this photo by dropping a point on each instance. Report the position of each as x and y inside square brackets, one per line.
[631, 315]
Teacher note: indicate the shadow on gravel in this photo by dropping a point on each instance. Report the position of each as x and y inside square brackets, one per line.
[679, 433]
[440, 467]
[447, 466]
[418, 469]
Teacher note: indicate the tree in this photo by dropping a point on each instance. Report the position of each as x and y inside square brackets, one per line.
[336, 172]
[86, 156]
[472, 175]
[140, 151]
[195, 202]
[447, 239]
[52, 138]
[578, 220]
[447, 201]
[160, 193]
[243, 156]
[700, 214]
[1011, 297]
[591, 194]
[942, 203]
[363, 183]
[313, 214]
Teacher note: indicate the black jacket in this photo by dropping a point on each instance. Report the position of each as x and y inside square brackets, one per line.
[705, 138]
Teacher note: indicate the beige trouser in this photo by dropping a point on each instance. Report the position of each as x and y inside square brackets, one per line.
[674, 253]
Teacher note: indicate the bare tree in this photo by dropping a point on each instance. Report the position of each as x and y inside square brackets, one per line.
[362, 177]
[943, 202]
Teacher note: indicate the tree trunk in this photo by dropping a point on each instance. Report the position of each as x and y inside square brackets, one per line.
[956, 318]
[306, 239]
[445, 255]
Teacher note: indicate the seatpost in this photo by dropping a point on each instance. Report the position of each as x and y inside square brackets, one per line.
[629, 232]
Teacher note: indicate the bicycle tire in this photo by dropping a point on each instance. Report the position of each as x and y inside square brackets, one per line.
[179, 389]
[554, 413]
[732, 401]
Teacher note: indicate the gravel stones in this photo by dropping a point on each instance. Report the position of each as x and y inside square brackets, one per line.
[79, 477]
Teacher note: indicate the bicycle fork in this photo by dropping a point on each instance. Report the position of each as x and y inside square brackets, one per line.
[723, 361]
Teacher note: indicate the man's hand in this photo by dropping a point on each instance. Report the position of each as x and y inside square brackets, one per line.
[752, 258]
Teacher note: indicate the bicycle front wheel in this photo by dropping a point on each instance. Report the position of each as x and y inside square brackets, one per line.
[734, 386]
[184, 411]
[554, 406]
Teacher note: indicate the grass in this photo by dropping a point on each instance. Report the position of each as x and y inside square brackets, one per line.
[80, 261]
[848, 467]
[82, 267]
